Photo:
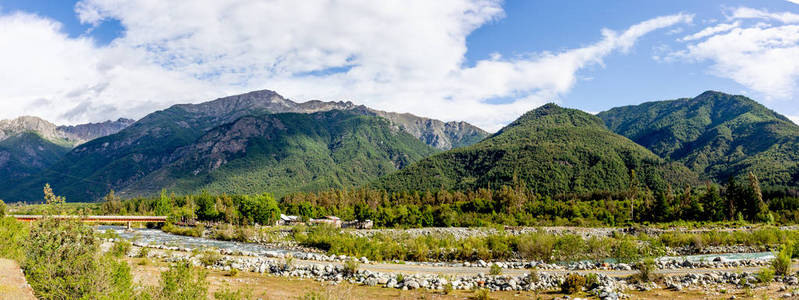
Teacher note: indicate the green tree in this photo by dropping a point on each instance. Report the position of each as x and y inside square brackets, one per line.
[261, 209]
[163, 205]
[53, 202]
[111, 204]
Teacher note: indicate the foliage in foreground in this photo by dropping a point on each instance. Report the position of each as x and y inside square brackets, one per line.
[782, 261]
[12, 236]
[183, 281]
[62, 262]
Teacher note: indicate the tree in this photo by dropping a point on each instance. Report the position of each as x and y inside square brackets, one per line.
[633, 193]
[111, 204]
[163, 205]
[759, 208]
[713, 204]
[2, 208]
[50, 198]
[261, 209]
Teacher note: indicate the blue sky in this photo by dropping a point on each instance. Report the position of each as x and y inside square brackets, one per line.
[482, 61]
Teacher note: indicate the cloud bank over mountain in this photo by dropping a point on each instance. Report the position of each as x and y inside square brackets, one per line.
[406, 56]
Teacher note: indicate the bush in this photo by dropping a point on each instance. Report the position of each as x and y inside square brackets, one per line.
[227, 293]
[534, 277]
[13, 235]
[196, 231]
[765, 276]
[481, 294]
[143, 252]
[2, 209]
[120, 248]
[351, 267]
[646, 270]
[537, 246]
[233, 272]
[62, 261]
[184, 282]
[495, 270]
[574, 283]
[314, 296]
[209, 258]
[626, 250]
[448, 288]
[591, 281]
[782, 261]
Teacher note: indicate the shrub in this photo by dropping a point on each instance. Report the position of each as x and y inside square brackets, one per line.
[534, 277]
[60, 259]
[536, 246]
[625, 250]
[233, 272]
[196, 231]
[495, 270]
[766, 275]
[209, 258]
[448, 288]
[13, 235]
[182, 281]
[227, 293]
[646, 270]
[143, 252]
[351, 267]
[591, 281]
[288, 262]
[2, 209]
[481, 294]
[314, 296]
[782, 261]
[120, 248]
[574, 283]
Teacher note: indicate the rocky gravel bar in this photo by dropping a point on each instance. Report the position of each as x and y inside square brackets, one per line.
[607, 286]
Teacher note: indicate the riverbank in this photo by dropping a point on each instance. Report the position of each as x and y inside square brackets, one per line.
[611, 284]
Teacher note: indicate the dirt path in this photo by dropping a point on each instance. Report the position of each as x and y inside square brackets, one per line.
[12, 282]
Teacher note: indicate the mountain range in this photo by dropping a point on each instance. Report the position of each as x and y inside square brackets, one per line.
[29, 144]
[552, 150]
[717, 135]
[262, 142]
[136, 159]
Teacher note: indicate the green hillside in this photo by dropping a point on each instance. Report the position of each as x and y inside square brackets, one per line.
[715, 134]
[289, 152]
[26, 154]
[553, 150]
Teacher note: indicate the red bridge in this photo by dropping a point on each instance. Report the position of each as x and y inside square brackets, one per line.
[98, 219]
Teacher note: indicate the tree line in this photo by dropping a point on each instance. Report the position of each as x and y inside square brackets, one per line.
[513, 205]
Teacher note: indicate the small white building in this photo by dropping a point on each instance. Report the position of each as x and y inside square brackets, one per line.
[288, 220]
[329, 220]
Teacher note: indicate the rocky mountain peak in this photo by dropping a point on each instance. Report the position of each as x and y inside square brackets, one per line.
[14, 127]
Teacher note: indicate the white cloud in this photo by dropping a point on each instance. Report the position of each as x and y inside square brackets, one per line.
[711, 31]
[404, 56]
[761, 57]
[751, 13]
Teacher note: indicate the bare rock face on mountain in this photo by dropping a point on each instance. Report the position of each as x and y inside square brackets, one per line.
[47, 130]
[29, 145]
[438, 134]
[90, 131]
[69, 136]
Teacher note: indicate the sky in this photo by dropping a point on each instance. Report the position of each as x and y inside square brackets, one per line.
[481, 61]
